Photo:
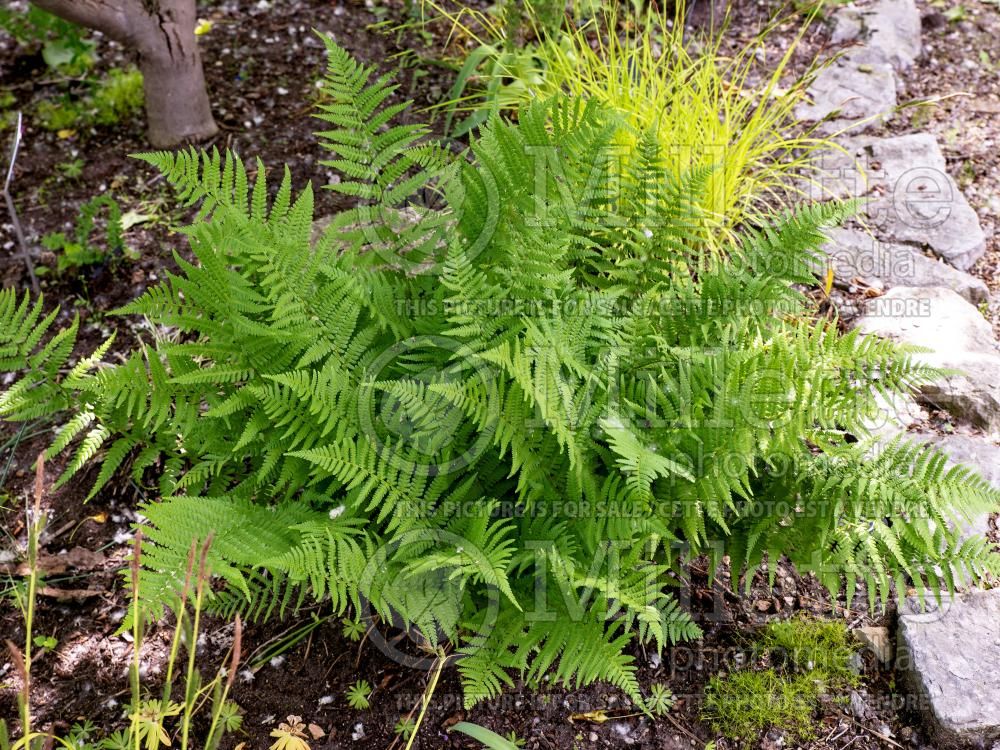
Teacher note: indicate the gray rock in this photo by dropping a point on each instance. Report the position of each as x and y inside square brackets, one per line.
[890, 28]
[973, 395]
[898, 413]
[856, 256]
[911, 197]
[893, 27]
[949, 656]
[848, 25]
[956, 337]
[850, 93]
[859, 706]
[979, 453]
[931, 317]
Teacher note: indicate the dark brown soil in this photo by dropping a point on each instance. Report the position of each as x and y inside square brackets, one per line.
[262, 61]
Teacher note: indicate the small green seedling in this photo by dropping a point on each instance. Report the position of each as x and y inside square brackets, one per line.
[45, 642]
[405, 727]
[353, 630]
[78, 250]
[358, 695]
[660, 699]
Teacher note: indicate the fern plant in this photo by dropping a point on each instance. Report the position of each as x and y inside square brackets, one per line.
[503, 420]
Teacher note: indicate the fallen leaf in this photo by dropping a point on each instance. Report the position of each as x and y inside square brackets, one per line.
[453, 720]
[290, 735]
[82, 558]
[828, 282]
[66, 133]
[130, 218]
[595, 717]
[316, 731]
[78, 557]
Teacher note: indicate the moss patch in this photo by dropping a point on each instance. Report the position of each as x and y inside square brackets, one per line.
[809, 659]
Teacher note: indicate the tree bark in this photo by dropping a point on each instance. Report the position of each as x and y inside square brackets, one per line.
[162, 33]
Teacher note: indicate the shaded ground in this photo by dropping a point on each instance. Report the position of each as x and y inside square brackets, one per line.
[262, 62]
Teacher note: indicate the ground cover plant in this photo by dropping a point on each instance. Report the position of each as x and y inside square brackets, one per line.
[500, 419]
[82, 98]
[806, 661]
[340, 687]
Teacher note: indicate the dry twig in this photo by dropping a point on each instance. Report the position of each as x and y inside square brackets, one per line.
[18, 232]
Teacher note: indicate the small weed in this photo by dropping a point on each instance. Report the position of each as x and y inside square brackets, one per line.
[45, 642]
[516, 741]
[956, 13]
[966, 174]
[660, 699]
[987, 62]
[405, 728]
[77, 250]
[8, 115]
[353, 630]
[358, 694]
[71, 169]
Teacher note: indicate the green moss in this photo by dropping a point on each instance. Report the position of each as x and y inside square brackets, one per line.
[114, 98]
[61, 114]
[813, 646]
[810, 658]
[744, 704]
[118, 96]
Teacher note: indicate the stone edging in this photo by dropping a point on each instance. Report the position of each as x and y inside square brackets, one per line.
[911, 261]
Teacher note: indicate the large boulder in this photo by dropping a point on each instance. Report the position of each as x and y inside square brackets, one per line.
[949, 658]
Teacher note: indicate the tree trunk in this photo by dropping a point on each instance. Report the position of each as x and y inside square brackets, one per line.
[177, 107]
[162, 33]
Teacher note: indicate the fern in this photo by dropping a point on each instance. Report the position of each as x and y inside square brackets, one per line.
[505, 422]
